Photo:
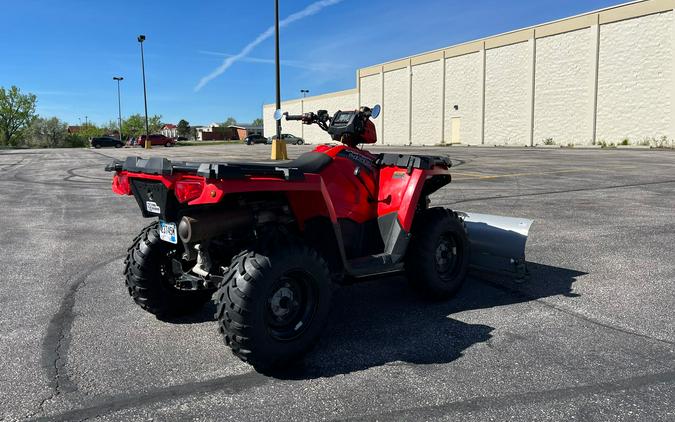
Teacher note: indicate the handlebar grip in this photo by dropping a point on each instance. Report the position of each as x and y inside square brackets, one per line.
[294, 117]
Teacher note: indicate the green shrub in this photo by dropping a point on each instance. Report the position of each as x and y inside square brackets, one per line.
[549, 141]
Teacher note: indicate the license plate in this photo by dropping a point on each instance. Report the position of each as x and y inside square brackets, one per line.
[167, 232]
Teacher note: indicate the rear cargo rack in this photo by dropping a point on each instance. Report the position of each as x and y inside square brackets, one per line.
[164, 167]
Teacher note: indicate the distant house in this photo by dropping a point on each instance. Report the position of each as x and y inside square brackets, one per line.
[74, 129]
[216, 132]
[250, 129]
[243, 130]
[212, 132]
[169, 130]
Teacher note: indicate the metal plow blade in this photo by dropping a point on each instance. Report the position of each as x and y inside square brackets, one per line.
[498, 243]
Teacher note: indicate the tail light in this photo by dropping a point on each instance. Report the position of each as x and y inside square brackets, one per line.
[120, 184]
[187, 190]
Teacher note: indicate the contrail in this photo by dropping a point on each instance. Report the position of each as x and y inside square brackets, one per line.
[312, 9]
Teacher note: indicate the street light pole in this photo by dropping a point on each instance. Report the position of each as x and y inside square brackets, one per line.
[276, 63]
[304, 92]
[119, 102]
[141, 38]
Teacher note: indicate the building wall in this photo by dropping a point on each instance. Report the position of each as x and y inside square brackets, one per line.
[506, 94]
[426, 102]
[371, 94]
[395, 115]
[633, 76]
[563, 88]
[605, 76]
[463, 88]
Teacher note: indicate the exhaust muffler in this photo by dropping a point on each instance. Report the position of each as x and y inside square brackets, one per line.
[497, 242]
[201, 226]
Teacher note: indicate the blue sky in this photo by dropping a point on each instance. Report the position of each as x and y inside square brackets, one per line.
[67, 51]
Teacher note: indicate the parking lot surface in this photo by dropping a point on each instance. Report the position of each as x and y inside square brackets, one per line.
[590, 336]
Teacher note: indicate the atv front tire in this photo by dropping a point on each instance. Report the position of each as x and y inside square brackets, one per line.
[273, 303]
[438, 255]
[150, 279]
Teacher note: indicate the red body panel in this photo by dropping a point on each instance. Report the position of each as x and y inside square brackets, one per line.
[334, 192]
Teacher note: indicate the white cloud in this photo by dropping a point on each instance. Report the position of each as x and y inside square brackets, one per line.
[317, 67]
[310, 10]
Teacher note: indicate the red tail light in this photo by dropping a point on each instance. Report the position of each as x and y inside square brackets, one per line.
[187, 190]
[120, 184]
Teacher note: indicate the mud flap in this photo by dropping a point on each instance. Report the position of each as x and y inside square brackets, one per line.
[498, 243]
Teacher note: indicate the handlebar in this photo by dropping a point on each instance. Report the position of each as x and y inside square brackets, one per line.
[321, 118]
[295, 116]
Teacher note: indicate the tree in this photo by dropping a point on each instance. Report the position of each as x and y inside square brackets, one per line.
[155, 123]
[231, 121]
[17, 111]
[134, 125]
[50, 133]
[183, 128]
[90, 130]
[257, 122]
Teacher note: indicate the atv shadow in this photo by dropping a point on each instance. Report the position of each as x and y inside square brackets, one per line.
[205, 314]
[384, 322]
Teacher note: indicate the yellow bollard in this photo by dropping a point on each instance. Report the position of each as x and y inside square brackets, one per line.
[279, 150]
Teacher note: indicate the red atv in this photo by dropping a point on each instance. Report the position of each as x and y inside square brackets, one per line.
[272, 240]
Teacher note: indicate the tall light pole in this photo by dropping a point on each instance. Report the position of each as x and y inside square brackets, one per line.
[119, 102]
[304, 92]
[276, 63]
[141, 38]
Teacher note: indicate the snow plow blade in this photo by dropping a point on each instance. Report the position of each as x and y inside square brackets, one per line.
[498, 243]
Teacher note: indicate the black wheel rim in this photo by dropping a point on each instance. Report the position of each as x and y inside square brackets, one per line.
[448, 256]
[291, 305]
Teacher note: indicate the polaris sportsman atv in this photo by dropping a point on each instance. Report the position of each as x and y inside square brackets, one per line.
[270, 241]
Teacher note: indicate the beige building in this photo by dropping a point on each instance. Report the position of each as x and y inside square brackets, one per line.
[604, 76]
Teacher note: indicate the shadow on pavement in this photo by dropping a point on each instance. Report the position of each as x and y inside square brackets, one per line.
[384, 322]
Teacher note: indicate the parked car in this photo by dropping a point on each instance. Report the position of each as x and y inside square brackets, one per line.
[290, 139]
[156, 139]
[106, 141]
[181, 138]
[255, 139]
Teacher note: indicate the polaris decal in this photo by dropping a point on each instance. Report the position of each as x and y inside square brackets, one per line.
[358, 159]
[152, 207]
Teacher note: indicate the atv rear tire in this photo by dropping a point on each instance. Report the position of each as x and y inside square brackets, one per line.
[149, 277]
[273, 303]
[438, 256]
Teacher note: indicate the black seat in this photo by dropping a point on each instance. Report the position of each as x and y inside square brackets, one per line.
[309, 162]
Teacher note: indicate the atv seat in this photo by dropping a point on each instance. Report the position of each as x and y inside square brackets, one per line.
[309, 162]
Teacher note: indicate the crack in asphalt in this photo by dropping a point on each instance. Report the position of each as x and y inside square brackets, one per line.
[232, 384]
[56, 342]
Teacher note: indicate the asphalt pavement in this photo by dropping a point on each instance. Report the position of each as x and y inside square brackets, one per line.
[590, 336]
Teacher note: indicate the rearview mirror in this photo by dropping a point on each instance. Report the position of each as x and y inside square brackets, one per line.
[375, 111]
[278, 114]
